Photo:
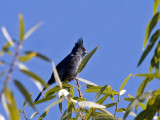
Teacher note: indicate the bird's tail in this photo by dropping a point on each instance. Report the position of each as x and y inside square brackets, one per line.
[40, 94]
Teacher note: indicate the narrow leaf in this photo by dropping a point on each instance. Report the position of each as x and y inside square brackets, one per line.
[56, 76]
[100, 92]
[110, 93]
[106, 117]
[21, 27]
[55, 102]
[86, 59]
[32, 30]
[33, 115]
[45, 99]
[143, 85]
[154, 75]
[7, 36]
[150, 27]
[27, 57]
[124, 82]
[152, 107]
[39, 55]
[87, 82]
[90, 104]
[153, 40]
[136, 101]
[96, 89]
[110, 105]
[156, 3]
[24, 93]
[34, 76]
[56, 89]
[43, 115]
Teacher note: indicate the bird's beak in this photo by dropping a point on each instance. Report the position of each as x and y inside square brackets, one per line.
[86, 52]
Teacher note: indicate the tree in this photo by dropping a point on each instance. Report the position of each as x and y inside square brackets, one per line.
[78, 107]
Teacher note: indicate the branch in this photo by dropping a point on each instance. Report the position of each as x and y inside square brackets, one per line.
[79, 90]
[117, 104]
[13, 63]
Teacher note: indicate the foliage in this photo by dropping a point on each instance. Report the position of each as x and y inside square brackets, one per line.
[77, 104]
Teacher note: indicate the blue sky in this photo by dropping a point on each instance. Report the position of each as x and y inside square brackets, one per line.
[118, 27]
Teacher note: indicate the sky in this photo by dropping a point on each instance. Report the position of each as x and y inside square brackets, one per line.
[117, 26]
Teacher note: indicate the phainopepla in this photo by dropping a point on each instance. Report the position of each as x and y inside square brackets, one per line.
[67, 68]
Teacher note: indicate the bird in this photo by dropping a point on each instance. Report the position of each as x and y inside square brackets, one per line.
[68, 67]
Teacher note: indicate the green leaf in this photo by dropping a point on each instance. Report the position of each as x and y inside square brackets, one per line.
[56, 76]
[72, 91]
[143, 85]
[105, 117]
[156, 3]
[5, 48]
[27, 57]
[121, 109]
[56, 89]
[45, 99]
[153, 40]
[150, 27]
[21, 28]
[96, 89]
[32, 30]
[30, 54]
[140, 104]
[110, 105]
[104, 111]
[55, 102]
[26, 101]
[24, 93]
[34, 76]
[136, 102]
[9, 103]
[86, 59]
[91, 110]
[79, 98]
[60, 107]
[43, 115]
[124, 82]
[66, 115]
[110, 93]
[154, 75]
[152, 107]
[87, 82]
[100, 92]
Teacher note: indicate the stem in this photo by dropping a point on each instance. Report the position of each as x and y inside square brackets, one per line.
[13, 63]
[79, 90]
[25, 114]
[117, 104]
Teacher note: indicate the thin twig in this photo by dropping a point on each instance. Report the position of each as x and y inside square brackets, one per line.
[79, 90]
[24, 114]
[80, 114]
[13, 63]
[117, 104]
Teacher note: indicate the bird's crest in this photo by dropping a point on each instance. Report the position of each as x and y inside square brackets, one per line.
[79, 43]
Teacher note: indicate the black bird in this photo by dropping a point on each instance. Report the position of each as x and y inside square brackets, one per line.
[67, 68]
